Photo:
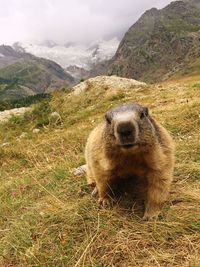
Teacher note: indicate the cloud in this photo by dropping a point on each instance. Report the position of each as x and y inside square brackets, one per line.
[66, 20]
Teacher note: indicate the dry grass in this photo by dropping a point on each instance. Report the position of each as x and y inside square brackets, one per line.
[47, 216]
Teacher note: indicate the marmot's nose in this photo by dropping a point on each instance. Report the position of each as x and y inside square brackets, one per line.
[126, 129]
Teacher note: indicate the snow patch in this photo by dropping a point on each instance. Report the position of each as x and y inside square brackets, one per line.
[74, 54]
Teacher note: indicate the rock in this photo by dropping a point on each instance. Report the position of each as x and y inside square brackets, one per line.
[54, 114]
[80, 170]
[55, 117]
[7, 114]
[35, 131]
[5, 144]
[108, 83]
[23, 135]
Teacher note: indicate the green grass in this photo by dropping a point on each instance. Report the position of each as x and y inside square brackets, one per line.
[22, 102]
[47, 216]
[191, 69]
[179, 26]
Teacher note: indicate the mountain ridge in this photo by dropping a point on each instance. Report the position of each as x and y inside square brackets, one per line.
[23, 74]
[160, 44]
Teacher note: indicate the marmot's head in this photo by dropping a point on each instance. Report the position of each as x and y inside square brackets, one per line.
[130, 125]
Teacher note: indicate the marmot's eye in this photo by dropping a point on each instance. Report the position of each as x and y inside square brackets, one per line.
[142, 115]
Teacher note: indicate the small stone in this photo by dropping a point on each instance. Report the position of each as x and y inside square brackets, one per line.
[35, 131]
[54, 114]
[80, 170]
[5, 144]
[55, 118]
[23, 135]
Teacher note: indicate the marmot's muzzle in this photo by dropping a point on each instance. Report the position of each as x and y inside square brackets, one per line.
[126, 132]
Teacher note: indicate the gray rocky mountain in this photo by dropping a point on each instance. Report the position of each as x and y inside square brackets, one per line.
[160, 44]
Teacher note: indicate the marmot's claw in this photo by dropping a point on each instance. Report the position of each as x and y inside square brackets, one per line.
[105, 202]
[94, 192]
[151, 216]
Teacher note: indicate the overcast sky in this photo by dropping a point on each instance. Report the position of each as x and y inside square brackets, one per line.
[69, 20]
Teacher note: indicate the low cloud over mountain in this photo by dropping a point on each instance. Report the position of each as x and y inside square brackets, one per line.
[82, 21]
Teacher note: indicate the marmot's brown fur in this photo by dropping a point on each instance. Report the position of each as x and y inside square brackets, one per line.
[130, 143]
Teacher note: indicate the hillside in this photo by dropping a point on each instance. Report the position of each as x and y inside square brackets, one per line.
[47, 215]
[78, 73]
[22, 74]
[160, 44]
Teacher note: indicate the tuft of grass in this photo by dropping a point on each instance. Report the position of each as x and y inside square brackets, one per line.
[47, 216]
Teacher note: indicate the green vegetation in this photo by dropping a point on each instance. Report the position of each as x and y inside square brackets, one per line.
[47, 216]
[192, 69]
[145, 54]
[22, 102]
[180, 25]
[25, 71]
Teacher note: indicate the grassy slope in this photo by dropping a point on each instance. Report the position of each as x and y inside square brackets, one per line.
[47, 216]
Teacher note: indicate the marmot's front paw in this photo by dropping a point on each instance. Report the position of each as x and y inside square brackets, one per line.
[105, 202]
[151, 215]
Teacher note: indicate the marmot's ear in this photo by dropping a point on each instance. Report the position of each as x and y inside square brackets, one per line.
[146, 111]
[108, 117]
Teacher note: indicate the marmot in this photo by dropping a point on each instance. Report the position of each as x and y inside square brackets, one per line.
[130, 143]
